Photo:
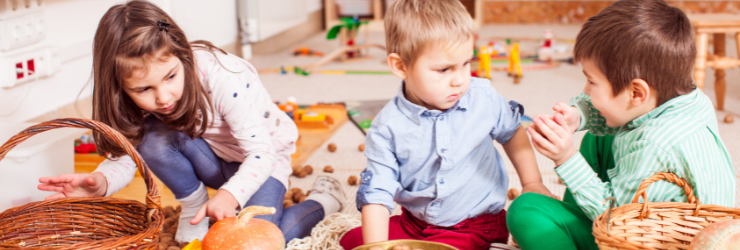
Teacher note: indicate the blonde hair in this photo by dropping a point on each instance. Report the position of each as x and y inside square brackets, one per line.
[412, 25]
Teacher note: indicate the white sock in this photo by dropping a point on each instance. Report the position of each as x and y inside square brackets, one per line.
[190, 206]
[331, 205]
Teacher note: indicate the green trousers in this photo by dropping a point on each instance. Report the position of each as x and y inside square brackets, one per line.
[539, 222]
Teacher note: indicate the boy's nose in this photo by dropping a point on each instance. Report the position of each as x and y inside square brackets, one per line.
[587, 89]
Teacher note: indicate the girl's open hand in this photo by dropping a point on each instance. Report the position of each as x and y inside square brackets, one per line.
[74, 185]
[222, 205]
[553, 139]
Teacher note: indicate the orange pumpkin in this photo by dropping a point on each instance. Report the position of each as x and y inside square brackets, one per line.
[245, 232]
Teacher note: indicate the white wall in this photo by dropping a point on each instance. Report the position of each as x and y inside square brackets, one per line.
[71, 26]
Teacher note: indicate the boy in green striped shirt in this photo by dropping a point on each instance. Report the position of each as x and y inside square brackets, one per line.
[644, 116]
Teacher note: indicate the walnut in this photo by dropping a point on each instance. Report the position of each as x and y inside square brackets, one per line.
[287, 203]
[328, 169]
[308, 169]
[297, 195]
[332, 147]
[512, 194]
[302, 198]
[352, 180]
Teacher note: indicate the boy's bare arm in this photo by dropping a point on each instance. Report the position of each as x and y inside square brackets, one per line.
[521, 154]
[375, 219]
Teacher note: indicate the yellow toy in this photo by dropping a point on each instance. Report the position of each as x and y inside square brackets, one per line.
[195, 245]
[484, 63]
[515, 63]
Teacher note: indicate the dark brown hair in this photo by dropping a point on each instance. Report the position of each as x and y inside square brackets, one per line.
[128, 37]
[641, 39]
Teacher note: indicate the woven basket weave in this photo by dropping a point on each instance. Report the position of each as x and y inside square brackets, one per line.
[657, 225]
[83, 223]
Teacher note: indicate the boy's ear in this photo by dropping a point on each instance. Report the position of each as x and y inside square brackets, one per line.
[640, 92]
[397, 67]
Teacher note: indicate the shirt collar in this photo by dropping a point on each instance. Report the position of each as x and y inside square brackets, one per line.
[415, 112]
[671, 107]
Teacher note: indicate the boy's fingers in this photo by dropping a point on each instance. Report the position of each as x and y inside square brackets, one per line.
[545, 129]
[557, 129]
[544, 143]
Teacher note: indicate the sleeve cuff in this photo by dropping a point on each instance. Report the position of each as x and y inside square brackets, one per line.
[575, 173]
[366, 196]
[584, 120]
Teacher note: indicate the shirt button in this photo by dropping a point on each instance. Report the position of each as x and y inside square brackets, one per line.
[444, 150]
[442, 181]
[442, 118]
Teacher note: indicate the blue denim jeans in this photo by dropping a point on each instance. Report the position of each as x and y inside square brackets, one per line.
[182, 162]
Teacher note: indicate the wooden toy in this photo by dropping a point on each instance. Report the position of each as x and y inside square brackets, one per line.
[484, 65]
[515, 65]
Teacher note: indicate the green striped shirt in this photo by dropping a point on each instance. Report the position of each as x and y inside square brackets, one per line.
[681, 137]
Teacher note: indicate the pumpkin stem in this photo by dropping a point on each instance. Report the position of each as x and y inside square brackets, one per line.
[247, 213]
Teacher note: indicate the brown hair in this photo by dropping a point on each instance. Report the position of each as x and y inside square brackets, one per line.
[641, 39]
[129, 36]
[412, 25]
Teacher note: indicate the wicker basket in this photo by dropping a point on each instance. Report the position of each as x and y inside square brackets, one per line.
[83, 223]
[657, 225]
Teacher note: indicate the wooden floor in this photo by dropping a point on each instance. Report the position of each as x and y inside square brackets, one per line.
[310, 140]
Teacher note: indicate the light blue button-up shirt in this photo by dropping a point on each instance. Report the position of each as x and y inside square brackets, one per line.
[441, 166]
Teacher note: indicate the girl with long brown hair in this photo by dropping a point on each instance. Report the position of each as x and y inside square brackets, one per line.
[199, 117]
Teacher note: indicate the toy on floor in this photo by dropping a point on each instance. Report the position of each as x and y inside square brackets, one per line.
[85, 144]
[245, 232]
[195, 245]
[515, 64]
[305, 51]
[550, 51]
[484, 65]
[349, 48]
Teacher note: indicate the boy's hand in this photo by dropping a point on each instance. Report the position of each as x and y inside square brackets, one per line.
[556, 141]
[222, 205]
[571, 115]
[538, 187]
[74, 185]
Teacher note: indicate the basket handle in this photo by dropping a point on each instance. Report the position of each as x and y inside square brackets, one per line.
[642, 191]
[152, 197]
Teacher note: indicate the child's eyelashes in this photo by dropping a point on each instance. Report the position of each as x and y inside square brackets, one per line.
[142, 90]
[443, 70]
[171, 76]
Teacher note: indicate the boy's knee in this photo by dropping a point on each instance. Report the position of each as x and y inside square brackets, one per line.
[524, 209]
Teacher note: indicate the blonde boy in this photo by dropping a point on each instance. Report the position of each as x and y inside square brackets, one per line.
[430, 149]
